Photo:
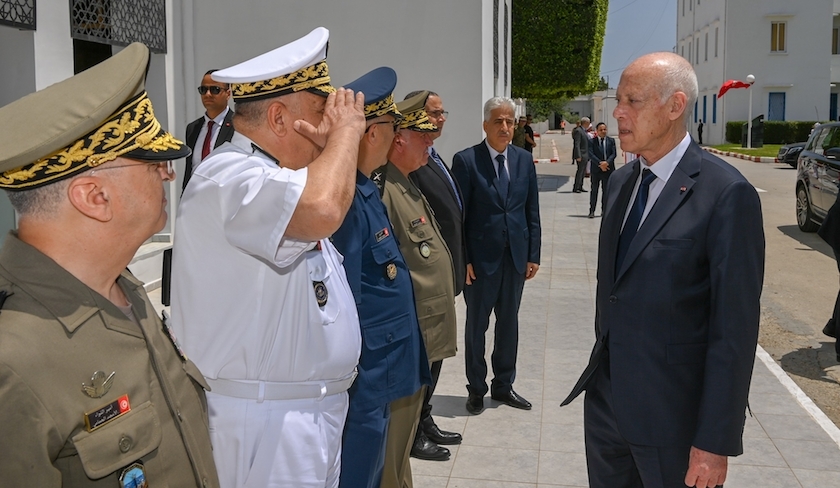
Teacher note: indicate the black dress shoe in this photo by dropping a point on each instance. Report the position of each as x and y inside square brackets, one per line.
[475, 404]
[591, 215]
[423, 448]
[513, 399]
[582, 190]
[440, 437]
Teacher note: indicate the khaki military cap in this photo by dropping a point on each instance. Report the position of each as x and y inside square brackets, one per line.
[414, 114]
[82, 122]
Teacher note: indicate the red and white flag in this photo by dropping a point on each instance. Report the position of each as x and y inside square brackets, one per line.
[732, 84]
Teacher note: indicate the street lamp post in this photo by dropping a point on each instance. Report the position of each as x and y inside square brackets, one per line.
[750, 80]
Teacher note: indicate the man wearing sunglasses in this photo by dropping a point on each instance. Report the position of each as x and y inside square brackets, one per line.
[212, 129]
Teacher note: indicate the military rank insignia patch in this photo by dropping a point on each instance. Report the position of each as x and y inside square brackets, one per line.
[418, 221]
[382, 234]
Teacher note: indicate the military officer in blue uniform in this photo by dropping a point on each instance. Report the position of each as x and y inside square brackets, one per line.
[393, 362]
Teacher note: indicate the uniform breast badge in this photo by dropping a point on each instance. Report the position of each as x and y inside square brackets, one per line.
[425, 250]
[99, 384]
[103, 415]
[391, 271]
[321, 294]
[134, 476]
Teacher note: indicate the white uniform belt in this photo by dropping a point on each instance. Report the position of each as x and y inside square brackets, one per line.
[276, 390]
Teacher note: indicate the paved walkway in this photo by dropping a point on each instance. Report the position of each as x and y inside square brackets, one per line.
[784, 442]
[788, 442]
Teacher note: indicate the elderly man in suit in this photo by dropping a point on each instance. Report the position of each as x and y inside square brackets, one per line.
[435, 181]
[602, 155]
[680, 271]
[502, 230]
[214, 128]
[580, 137]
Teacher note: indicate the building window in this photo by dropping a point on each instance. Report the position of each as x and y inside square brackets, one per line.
[716, 41]
[689, 8]
[777, 37]
[120, 22]
[18, 13]
[495, 45]
[776, 106]
[706, 49]
[690, 57]
[683, 8]
[695, 110]
[705, 116]
[682, 50]
[835, 41]
[507, 41]
[696, 51]
[714, 108]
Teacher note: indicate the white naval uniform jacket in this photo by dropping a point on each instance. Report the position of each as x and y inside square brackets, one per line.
[243, 302]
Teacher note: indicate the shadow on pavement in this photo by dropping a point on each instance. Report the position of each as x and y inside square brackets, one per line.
[812, 241]
[551, 182]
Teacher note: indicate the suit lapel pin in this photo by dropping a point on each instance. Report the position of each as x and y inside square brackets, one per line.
[682, 189]
[99, 384]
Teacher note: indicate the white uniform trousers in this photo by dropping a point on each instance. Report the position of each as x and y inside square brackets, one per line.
[277, 443]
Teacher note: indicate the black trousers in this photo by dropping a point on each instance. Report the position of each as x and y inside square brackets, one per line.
[502, 292]
[579, 174]
[611, 461]
[426, 411]
[598, 178]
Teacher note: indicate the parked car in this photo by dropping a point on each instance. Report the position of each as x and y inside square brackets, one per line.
[817, 176]
[789, 153]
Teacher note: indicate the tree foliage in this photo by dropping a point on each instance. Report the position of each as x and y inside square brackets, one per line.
[542, 108]
[556, 47]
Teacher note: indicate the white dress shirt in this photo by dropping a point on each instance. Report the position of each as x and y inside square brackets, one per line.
[663, 170]
[199, 143]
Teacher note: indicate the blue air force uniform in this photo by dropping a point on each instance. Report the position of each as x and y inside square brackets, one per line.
[393, 360]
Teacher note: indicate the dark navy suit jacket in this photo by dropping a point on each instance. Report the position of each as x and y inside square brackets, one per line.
[194, 128]
[596, 154]
[680, 318]
[489, 219]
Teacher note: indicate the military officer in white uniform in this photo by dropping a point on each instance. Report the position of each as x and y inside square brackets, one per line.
[260, 298]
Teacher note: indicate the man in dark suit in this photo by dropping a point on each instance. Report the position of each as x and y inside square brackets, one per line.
[438, 185]
[602, 156]
[502, 229]
[580, 136]
[214, 128]
[680, 271]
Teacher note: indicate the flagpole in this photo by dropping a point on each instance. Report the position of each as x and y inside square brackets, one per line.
[750, 80]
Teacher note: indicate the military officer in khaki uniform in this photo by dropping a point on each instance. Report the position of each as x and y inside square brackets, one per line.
[430, 265]
[93, 392]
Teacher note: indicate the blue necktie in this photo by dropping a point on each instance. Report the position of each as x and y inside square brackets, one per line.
[503, 177]
[634, 219]
[436, 158]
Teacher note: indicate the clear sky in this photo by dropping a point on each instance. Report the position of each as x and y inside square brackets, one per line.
[634, 28]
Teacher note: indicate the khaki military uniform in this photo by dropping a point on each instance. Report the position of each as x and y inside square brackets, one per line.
[430, 265]
[55, 333]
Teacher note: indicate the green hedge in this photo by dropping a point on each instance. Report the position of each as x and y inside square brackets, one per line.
[556, 47]
[775, 131]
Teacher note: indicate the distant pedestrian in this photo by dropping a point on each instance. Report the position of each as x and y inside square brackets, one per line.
[530, 142]
[700, 132]
[581, 152]
[563, 126]
[602, 157]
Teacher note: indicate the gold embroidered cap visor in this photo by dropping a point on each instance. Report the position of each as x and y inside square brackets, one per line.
[414, 114]
[82, 122]
[297, 66]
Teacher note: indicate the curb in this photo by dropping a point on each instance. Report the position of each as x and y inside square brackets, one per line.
[755, 159]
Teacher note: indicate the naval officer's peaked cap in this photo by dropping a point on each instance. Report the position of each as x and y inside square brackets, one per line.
[297, 66]
[82, 122]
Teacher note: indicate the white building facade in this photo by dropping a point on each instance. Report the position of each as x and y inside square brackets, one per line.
[460, 50]
[791, 47]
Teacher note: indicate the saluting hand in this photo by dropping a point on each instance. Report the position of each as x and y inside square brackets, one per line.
[343, 111]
